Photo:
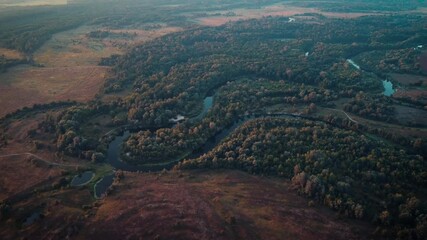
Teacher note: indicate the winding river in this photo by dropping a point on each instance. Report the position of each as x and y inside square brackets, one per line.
[114, 149]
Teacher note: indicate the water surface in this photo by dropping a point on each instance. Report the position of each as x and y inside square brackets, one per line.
[388, 88]
[82, 179]
[102, 185]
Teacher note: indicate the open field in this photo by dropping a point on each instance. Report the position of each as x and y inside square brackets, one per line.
[411, 87]
[11, 54]
[21, 173]
[70, 71]
[25, 86]
[410, 80]
[24, 3]
[411, 116]
[416, 95]
[73, 48]
[274, 10]
[213, 205]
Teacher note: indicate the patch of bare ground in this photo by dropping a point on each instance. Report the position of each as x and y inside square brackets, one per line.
[213, 205]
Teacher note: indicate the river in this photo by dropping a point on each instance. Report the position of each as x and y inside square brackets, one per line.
[114, 150]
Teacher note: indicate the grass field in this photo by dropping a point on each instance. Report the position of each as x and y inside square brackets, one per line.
[214, 205]
[22, 3]
[19, 173]
[24, 86]
[274, 10]
[11, 54]
[70, 71]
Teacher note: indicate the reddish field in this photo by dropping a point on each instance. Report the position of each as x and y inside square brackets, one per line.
[24, 86]
[213, 205]
[19, 173]
[416, 95]
[407, 79]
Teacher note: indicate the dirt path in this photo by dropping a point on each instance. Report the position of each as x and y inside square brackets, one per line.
[41, 159]
[348, 116]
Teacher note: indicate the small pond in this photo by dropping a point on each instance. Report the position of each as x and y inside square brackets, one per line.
[388, 88]
[102, 185]
[33, 218]
[82, 179]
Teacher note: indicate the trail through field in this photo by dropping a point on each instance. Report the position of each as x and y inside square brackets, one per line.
[40, 159]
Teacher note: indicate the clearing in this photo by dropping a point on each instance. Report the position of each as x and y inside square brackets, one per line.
[67, 67]
[213, 205]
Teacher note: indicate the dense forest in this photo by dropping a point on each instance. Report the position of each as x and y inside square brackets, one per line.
[172, 76]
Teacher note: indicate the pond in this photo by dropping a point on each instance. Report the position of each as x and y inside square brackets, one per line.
[33, 218]
[102, 185]
[82, 179]
[388, 88]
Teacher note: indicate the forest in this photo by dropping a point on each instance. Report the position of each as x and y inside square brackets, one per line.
[249, 66]
[298, 100]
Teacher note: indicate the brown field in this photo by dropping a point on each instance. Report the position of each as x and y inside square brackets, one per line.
[70, 69]
[11, 3]
[24, 85]
[19, 173]
[72, 48]
[408, 79]
[213, 205]
[274, 10]
[141, 35]
[11, 54]
[417, 95]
